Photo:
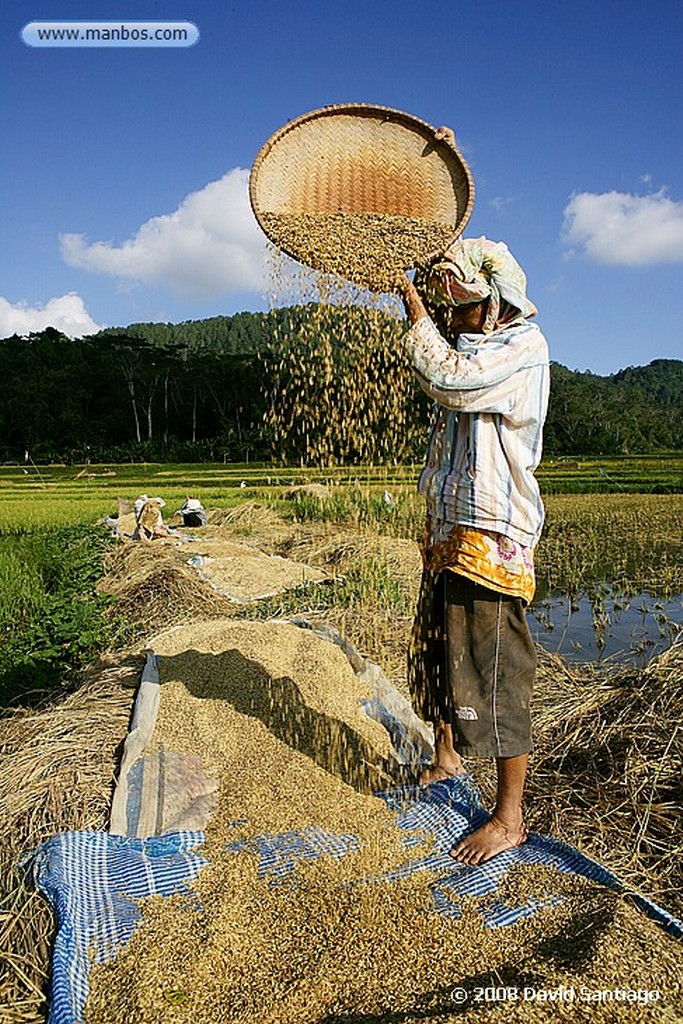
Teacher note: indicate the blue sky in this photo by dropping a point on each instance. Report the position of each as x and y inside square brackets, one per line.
[123, 180]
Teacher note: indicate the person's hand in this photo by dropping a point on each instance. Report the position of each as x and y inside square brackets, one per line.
[414, 306]
[445, 133]
[403, 284]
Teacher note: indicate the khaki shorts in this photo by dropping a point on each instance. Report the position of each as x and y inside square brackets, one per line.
[472, 664]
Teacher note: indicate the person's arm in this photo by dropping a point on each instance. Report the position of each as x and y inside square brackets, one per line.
[481, 378]
[414, 306]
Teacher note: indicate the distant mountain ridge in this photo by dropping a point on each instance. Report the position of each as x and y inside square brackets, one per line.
[200, 389]
[249, 332]
[241, 333]
[637, 409]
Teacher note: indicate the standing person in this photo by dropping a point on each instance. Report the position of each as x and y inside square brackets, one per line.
[472, 661]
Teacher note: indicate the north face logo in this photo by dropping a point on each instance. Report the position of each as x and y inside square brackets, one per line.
[469, 714]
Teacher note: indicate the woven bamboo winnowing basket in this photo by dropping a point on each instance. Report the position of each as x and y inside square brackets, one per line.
[361, 159]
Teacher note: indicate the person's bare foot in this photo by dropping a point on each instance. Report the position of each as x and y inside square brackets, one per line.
[493, 838]
[443, 769]
[447, 761]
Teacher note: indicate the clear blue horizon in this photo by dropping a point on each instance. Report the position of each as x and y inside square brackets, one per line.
[124, 176]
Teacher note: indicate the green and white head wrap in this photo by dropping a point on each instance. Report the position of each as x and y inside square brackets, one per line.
[473, 269]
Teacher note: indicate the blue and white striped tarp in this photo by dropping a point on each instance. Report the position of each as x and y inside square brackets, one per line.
[447, 811]
[451, 809]
[279, 854]
[91, 878]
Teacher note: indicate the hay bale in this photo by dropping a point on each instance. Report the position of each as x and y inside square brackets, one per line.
[248, 519]
[318, 491]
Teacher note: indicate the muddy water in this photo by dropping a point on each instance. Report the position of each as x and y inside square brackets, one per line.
[608, 624]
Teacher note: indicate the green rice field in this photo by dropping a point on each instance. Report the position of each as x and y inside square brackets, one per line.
[65, 495]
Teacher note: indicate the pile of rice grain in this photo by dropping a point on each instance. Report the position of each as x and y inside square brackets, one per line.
[299, 687]
[324, 945]
[322, 952]
[331, 941]
[243, 573]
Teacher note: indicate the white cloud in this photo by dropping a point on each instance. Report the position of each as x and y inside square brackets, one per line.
[501, 204]
[557, 285]
[211, 245]
[66, 313]
[620, 228]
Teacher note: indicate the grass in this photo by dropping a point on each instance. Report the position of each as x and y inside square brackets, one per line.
[642, 474]
[52, 621]
[631, 541]
[368, 582]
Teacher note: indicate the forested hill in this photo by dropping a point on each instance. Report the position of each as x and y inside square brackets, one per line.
[203, 389]
[241, 334]
[639, 409]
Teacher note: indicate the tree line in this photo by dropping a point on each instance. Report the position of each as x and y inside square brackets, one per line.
[303, 383]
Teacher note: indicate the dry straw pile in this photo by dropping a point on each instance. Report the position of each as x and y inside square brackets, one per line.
[251, 521]
[57, 768]
[608, 766]
[155, 586]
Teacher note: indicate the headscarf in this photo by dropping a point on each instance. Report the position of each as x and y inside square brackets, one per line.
[474, 269]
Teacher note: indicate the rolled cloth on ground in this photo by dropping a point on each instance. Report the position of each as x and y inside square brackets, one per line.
[474, 269]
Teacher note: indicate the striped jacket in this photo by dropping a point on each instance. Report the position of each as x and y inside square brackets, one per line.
[491, 395]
